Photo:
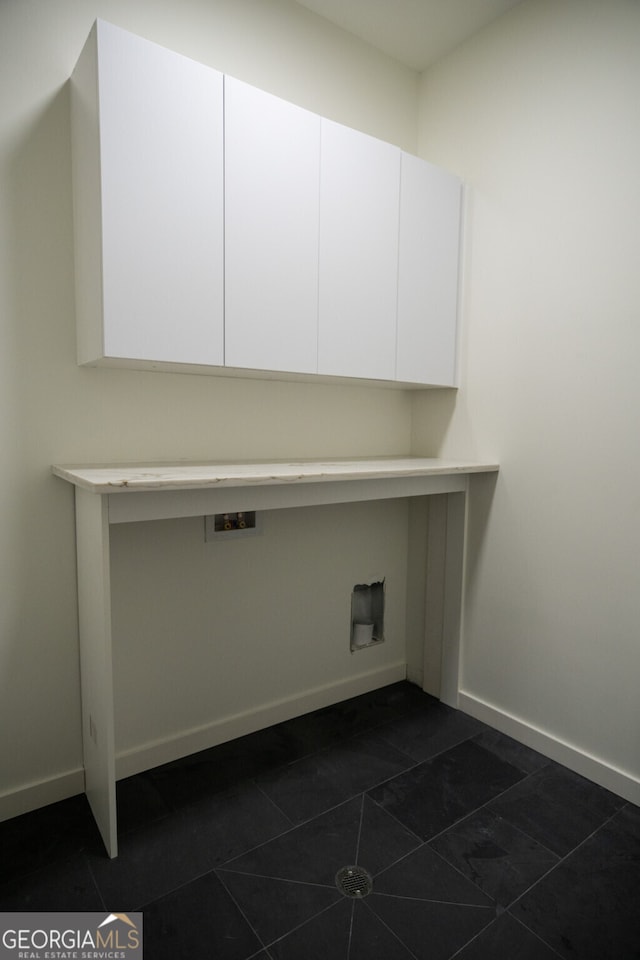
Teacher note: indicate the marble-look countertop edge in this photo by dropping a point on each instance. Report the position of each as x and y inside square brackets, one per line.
[108, 479]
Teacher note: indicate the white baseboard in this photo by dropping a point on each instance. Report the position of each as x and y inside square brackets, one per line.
[593, 768]
[34, 795]
[151, 755]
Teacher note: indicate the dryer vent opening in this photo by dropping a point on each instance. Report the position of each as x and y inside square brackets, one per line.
[367, 615]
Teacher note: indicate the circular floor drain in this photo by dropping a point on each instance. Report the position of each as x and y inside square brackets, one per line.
[354, 882]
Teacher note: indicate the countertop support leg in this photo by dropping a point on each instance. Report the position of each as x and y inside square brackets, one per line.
[96, 668]
[444, 594]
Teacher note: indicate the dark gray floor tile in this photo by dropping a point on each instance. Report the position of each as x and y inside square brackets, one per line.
[198, 920]
[325, 936]
[371, 938]
[383, 840]
[522, 757]
[66, 884]
[311, 853]
[429, 930]
[363, 762]
[588, 906]
[274, 907]
[303, 790]
[423, 875]
[139, 802]
[499, 858]
[322, 728]
[506, 939]
[201, 775]
[426, 732]
[356, 832]
[43, 836]
[347, 931]
[627, 820]
[557, 807]
[434, 795]
[189, 825]
[168, 853]
[306, 788]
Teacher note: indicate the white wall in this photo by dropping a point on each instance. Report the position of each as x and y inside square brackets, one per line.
[52, 411]
[539, 114]
[216, 630]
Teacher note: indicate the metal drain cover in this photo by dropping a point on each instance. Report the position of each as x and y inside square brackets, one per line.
[354, 881]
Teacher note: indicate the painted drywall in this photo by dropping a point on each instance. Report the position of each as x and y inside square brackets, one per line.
[247, 622]
[539, 115]
[52, 411]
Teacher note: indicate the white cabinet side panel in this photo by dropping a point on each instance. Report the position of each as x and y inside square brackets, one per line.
[359, 212]
[428, 273]
[96, 666]
[162, 202]
[272, 174]
[87, 217]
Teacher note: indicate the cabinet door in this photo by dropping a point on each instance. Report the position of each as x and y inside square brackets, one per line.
[272, 173]
[359, 210]
[428, 273]
[160, 150]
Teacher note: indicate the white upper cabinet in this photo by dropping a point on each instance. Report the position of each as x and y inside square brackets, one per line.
[219, 226]
[272, 174]
[148, 184]
[359, 211]
[428, 273]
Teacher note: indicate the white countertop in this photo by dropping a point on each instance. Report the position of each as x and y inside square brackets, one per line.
[110, 478]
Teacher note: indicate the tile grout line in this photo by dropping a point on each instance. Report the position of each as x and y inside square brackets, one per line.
[526, 776]
[480, 933]
[393, 934]
[351, 919]
[419, 841]
[242, 914]
[561, 860]
[357, 855]
[267, 876]
[300, 925]
[257, 786]
[451, 903]
[537, 936]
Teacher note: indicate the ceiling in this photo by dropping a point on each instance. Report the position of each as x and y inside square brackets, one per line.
[415, 32]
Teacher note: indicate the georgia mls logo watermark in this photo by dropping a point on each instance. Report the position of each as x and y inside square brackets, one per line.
[71, 936]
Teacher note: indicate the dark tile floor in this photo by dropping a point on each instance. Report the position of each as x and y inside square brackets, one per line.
[478, 848]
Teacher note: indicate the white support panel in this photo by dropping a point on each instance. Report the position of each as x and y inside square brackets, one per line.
[162, 505]
[428, 263]
[359, 214]
[445, 565]
[272, 182]
[434, 595]
[96, 668]
[161, 169]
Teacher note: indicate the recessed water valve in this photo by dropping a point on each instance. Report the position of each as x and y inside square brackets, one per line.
[227, 525]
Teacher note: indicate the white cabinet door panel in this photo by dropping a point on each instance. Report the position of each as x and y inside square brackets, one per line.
[228, 227]
[272, 163]
[428, 273]
[161, 155]
[359, 210]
